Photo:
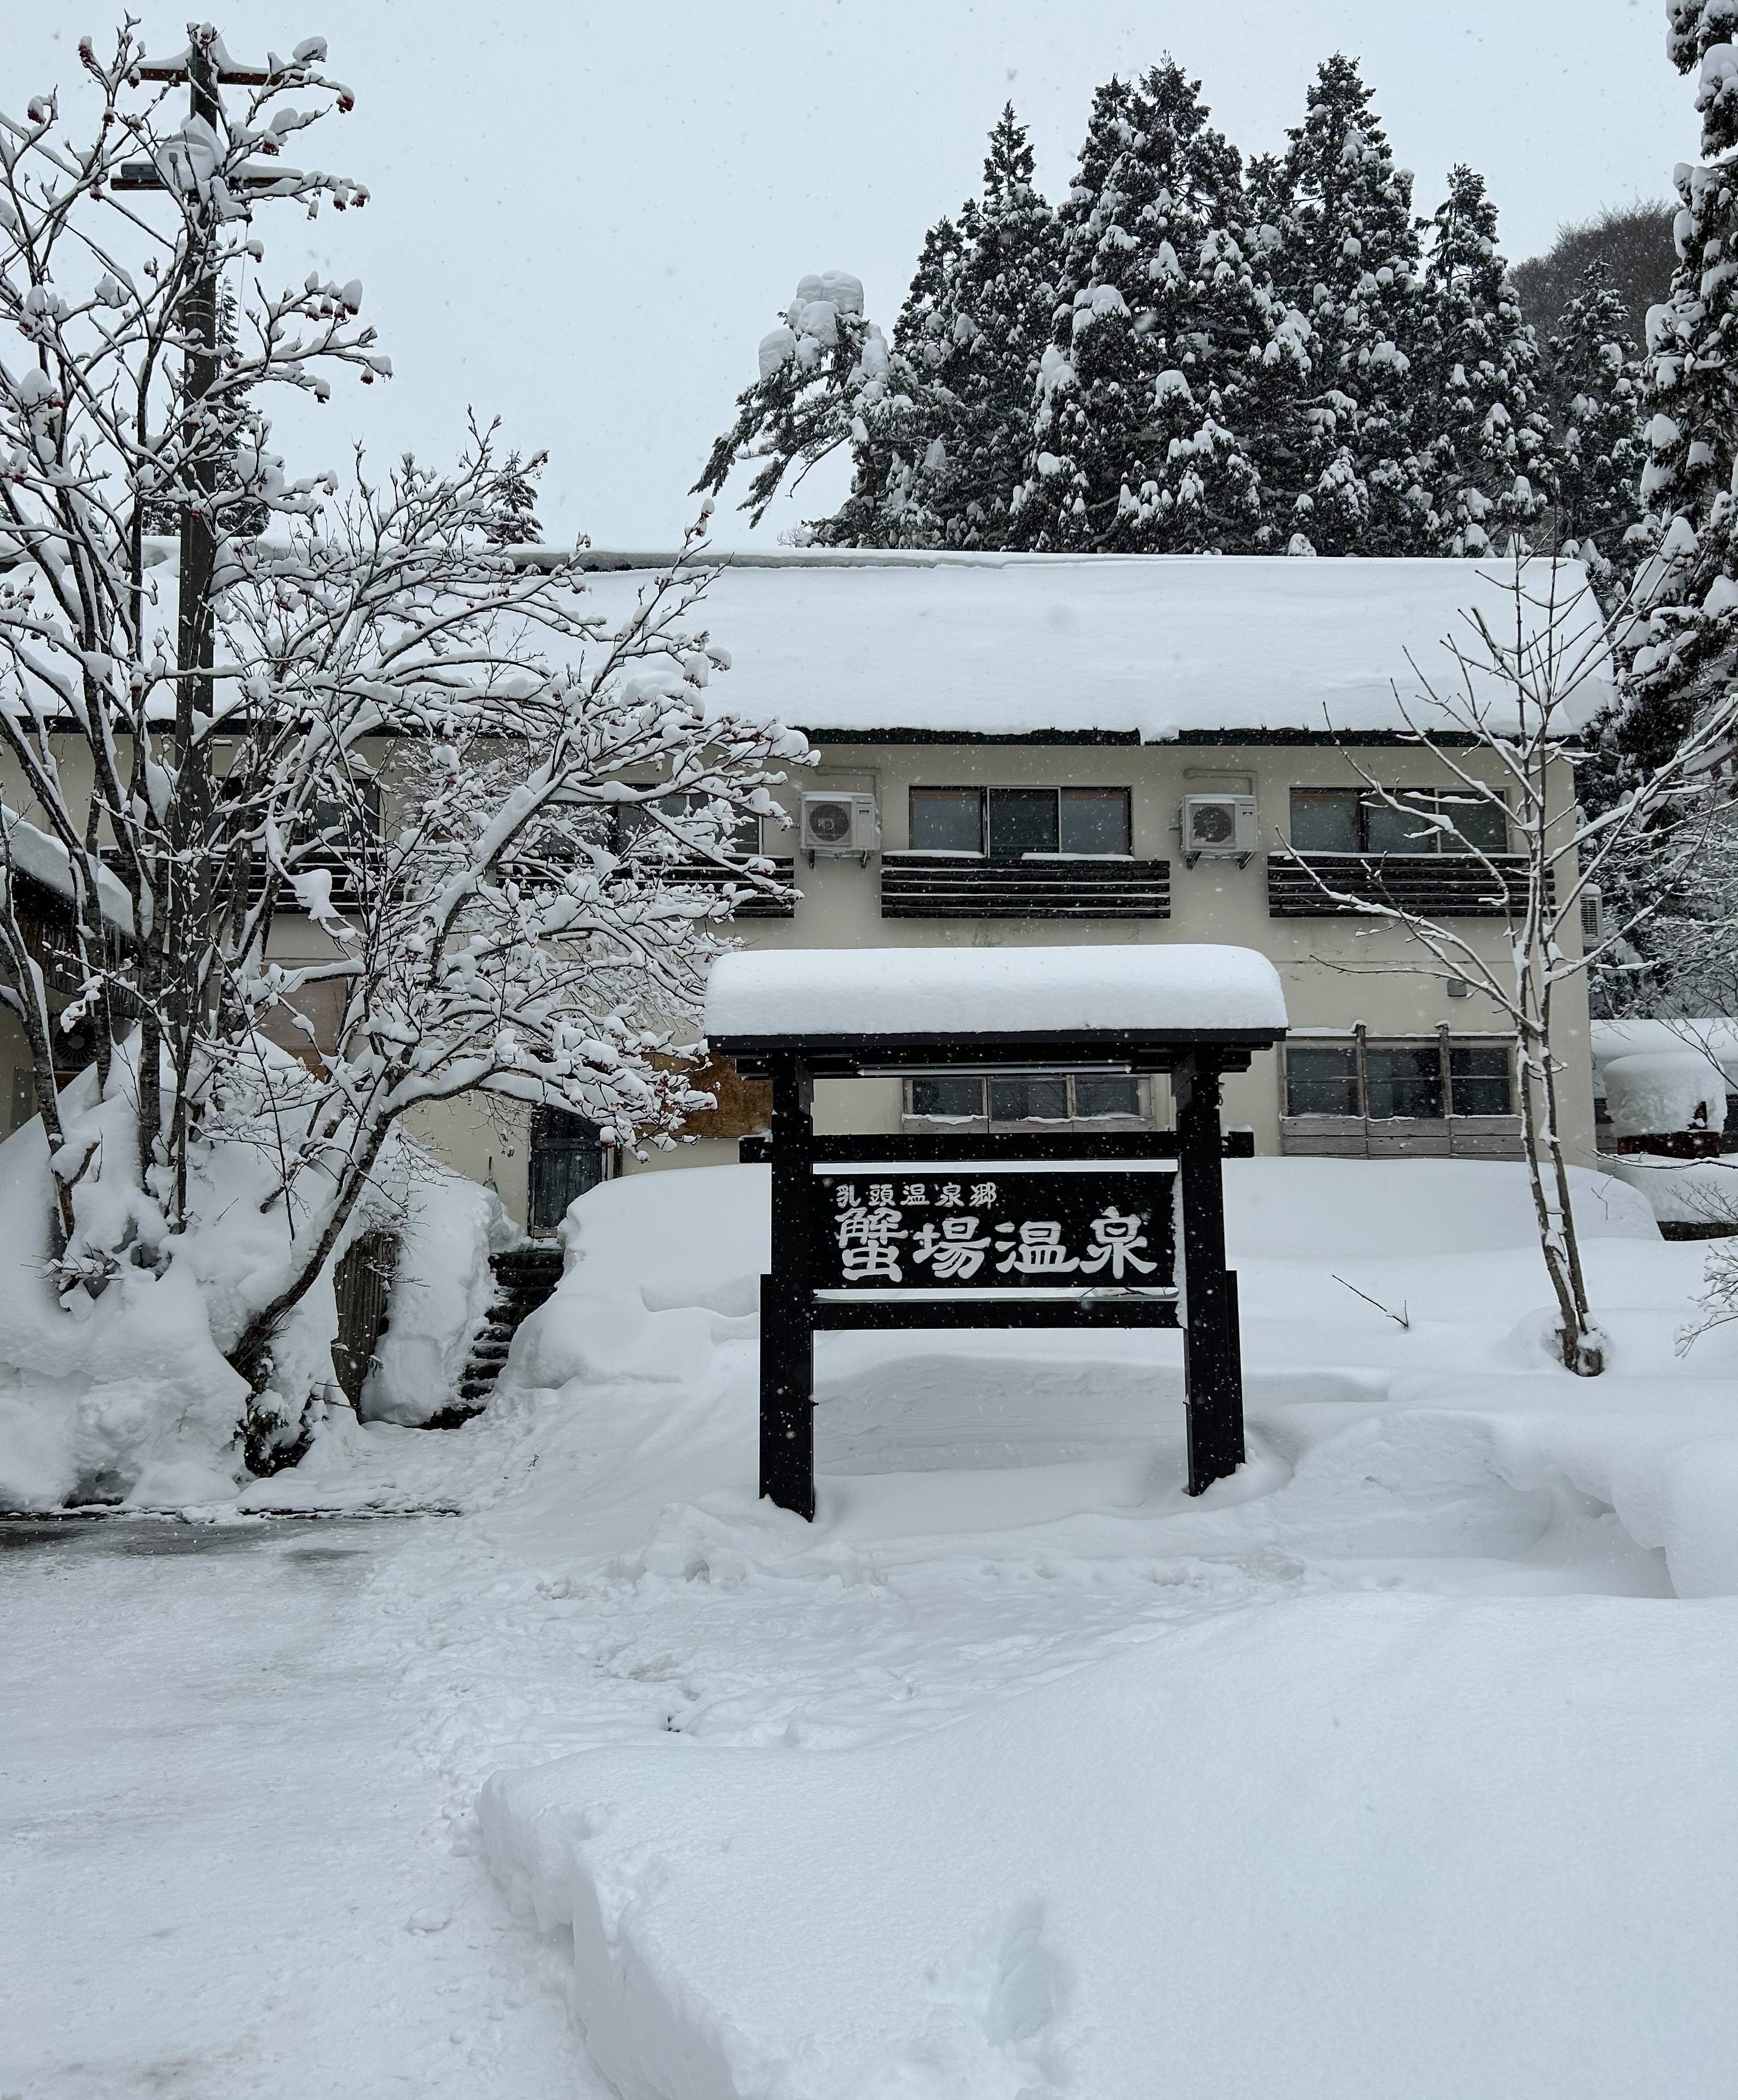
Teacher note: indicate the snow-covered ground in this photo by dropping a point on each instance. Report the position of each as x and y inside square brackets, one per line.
[1399, 1764]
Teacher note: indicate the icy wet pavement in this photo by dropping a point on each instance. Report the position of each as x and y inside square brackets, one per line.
[228, 1869]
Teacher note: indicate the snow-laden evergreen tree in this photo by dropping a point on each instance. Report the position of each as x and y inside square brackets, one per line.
[1161, 327]
[977, 350]
[1681, 648]
[823, 384]
[1346, 256]
[911, 420]
[1483, 445]
[1596, 380]
[514, 521]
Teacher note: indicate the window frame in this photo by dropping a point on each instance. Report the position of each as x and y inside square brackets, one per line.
[1431, 845]
[984, 1123]
[983, 793]
[1445, 1044]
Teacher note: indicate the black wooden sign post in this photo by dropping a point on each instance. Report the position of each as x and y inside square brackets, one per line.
[982, 1230]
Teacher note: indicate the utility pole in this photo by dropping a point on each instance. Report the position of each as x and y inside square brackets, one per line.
[184, 898]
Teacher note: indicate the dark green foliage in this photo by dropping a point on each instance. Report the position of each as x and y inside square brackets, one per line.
[1634, 243]
[823, 380]
[1596, 380]
[1682, 646]
[513, 520]
[1140, 440]
[1483, 443]
[1346, 255]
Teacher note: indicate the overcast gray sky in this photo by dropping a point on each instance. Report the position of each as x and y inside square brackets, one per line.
[586, 216]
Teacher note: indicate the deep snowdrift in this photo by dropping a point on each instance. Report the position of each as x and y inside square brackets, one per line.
[1342, 1846]
[1396, 1764]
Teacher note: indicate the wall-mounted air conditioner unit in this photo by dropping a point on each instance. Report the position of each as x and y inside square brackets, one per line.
[840, 827]
[1220, 827]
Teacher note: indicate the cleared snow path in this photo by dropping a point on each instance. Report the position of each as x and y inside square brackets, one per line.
[228, 1866]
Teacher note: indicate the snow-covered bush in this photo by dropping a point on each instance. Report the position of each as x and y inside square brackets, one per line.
[1654, 1093]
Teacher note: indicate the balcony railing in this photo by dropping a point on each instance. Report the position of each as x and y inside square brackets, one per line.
[920, 885]
[751, 903]
[1432, 885]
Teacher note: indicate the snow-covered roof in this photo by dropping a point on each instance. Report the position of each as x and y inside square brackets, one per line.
[44, 859]
[945, 993]
[1146, 647]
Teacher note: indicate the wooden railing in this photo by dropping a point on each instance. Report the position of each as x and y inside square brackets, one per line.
[1432, 885]
[1041, 886]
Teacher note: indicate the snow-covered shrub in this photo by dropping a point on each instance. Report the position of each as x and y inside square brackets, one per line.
[1653, 1093]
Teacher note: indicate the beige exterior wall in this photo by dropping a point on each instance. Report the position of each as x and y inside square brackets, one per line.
[1336, 972]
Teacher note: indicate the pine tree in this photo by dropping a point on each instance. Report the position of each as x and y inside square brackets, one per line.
[1596, 380]
[1347, 257]
[984, 345]
[916, 419]
[824, 383]
[1681, 649]
[514, 521]
[1487, 460]
[1161, 330]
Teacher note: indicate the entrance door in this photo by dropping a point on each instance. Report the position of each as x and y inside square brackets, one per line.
[566, 1160]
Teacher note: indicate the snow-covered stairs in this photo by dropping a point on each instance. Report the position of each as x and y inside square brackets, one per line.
[525, 1278]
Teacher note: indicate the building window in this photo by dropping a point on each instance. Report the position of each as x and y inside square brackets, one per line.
[1433, 820]
[1058, 1098]
[1007, 823]
[1423, 1081]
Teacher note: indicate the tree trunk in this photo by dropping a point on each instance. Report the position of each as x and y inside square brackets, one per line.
[1582, 1350]
[248, 1354]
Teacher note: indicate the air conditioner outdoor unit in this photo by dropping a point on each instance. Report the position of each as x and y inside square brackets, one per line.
[840, 827]
[1220, 827]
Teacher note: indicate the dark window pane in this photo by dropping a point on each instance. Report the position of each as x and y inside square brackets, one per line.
[1323, 1081]
[1403, 831]
[1023, 820]
[1479, 1080]
[947, 1097]
[1404, 1079]
[1027, 1100]
[1107, 1097]
[1322, 822]
[1480, 825]
[1094, 820]
[947, 820]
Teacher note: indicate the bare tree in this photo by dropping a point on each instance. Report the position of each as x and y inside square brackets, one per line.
[1503, 718]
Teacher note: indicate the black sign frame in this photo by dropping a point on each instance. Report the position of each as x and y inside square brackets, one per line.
[793, 1309]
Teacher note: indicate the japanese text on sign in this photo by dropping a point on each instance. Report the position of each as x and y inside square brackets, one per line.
[1070, 1233]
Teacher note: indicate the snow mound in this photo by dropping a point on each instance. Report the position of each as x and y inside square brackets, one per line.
[1338, 1847]
[441, 1289]
[1326, 1210]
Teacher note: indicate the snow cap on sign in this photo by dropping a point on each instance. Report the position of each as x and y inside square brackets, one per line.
[811, 992]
